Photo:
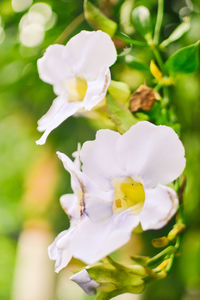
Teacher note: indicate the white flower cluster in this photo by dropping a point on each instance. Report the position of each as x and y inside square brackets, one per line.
[122, 184]
[118, 181]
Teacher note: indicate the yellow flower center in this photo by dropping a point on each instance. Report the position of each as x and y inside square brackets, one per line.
[76, 89]
[128, 193]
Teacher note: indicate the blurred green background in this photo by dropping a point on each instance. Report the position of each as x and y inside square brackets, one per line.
[32, 179]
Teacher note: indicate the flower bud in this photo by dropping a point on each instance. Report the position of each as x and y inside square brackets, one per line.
[84, 280]
[142, 21]
[119, 90]
[98, 20]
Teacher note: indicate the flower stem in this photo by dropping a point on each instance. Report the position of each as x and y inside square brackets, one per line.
[129, 40]
[69, 29]
[158, 21]
[167, 251]
[165, 101]
[158, 58]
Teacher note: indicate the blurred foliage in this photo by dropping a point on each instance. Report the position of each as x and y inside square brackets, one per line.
[25, 98]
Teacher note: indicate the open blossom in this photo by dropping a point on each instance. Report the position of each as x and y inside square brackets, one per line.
[80, 75]
[122, 184]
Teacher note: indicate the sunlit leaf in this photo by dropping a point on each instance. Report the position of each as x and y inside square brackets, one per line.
[185, 60]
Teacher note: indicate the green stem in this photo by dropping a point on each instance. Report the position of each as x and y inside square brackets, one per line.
[165, 101]
[130, 41]
[157, 87]
[158, 21]
[69, 29]
[158, 58]
[169, 250]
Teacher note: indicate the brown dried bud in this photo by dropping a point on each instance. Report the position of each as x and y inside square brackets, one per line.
[143, 98]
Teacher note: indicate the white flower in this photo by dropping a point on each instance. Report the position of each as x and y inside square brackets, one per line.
[88, 234]
[130, 172]
[84, 280]
[79, 73]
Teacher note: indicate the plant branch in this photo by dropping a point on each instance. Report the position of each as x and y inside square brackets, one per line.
[158, 57]
[129, 40]
[159, 20]
[69, 29]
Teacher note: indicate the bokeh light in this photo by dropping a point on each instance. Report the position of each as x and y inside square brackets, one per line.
[20, 5]
[33, 24]
[2, 34]
[32, 35]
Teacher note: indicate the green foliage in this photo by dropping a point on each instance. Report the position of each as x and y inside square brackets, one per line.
[185, 60]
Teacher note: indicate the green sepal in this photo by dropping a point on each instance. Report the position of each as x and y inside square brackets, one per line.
[102, 273]
[141, 19]
[185, 60]
[116, 279]
[176, 34]
[98, 20]
[142, 260]
[128, 289]
[120, 115]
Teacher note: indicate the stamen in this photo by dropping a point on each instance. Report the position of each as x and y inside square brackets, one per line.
[76, 89]
[128, 193]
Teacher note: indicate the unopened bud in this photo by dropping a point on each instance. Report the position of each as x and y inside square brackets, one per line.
[141, 19]
[98, 20]
[119, 90]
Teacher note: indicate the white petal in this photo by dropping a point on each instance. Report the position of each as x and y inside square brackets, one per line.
[62, 256]
[76, 155]
[98, 207]
[58, 112]
[52, 66]
[90, 53]
[93, 241]
[97, 204]
[99, 159]
[96, 90]
[77, 177]
[154, 153]
[84, 280]
[160, 205]
[71, 206]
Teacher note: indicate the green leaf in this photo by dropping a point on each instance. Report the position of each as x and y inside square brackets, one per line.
[185, 60]
[120, 115]
[98, 20]
[141, 19]
[176, 34]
